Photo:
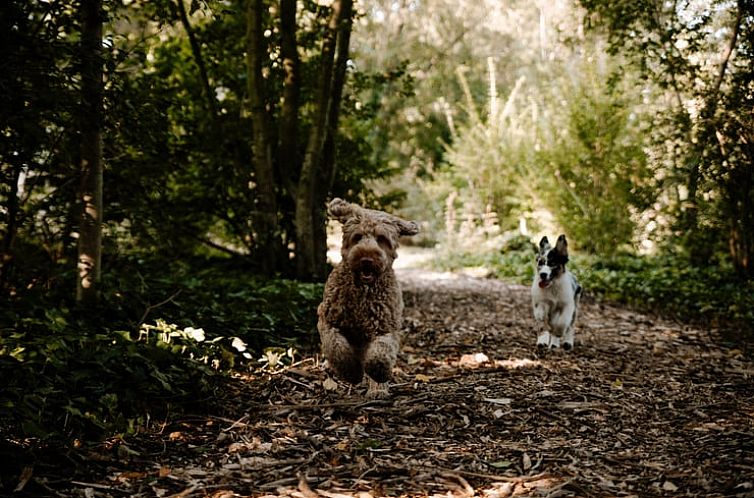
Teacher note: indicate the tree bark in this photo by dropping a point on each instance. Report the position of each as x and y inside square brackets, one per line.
[90, 191]
[6, 252]
[264, 215]
[316, 175]
[288, 157]
[329, 166]
[196, 50]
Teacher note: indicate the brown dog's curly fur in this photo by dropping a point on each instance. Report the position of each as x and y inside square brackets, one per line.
[361, 313]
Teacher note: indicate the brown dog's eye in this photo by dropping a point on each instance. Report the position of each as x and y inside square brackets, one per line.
[383, 241]
[355, 238]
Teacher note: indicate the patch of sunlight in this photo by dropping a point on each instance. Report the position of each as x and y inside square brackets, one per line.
[537, 485]
[439, 276]
[476, 360]
[514, 363]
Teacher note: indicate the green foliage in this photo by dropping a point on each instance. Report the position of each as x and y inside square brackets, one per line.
[159, 344]
[666, 284]
[596, 174]
[698, 58]
[582, 162]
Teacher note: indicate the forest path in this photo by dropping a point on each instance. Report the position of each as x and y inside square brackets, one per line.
[641, 407]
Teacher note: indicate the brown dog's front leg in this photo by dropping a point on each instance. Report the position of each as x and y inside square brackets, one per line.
[346, 361]
[380, 357]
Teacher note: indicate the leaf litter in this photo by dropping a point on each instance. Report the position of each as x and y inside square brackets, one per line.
[642, 407]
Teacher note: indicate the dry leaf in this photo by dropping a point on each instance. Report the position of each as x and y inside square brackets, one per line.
[329, 384]
[423, 378]
[499, 401]
[473, 360]
[26, 474]
[526, 461]
[669, 486]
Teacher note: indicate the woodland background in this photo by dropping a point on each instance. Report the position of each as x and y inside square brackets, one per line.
[166, 163]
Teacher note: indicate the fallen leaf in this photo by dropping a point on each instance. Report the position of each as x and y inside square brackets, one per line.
[26, 474]
[423, 378]
[499, 401]
[329, 384]
[473, 360]
[669, 486]
[130, 476]
[526, 461]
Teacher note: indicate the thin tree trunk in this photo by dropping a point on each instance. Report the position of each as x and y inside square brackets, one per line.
[329, 166]
[264, 216]
[307, 264]
[288, 157]
[90, 192]
[6, 253]
[196, 50]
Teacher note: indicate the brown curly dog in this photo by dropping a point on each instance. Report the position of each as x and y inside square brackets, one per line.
[361, 313]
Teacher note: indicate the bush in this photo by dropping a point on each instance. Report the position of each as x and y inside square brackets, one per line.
[664, 284]
[160, 343]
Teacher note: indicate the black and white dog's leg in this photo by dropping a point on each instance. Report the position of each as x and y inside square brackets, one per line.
[540, 322]
[568, 339]
[562, 324]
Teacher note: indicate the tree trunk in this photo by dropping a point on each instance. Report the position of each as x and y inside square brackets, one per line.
[315, 181]
[329, 166]
[90, 192]
[264, 215]
[6, 251]
[196, 50]
[288, 157]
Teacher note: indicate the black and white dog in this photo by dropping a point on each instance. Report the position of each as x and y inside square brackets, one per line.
[555, 296]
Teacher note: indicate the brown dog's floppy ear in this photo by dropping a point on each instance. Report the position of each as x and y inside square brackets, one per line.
[406, 227]
[340, 209]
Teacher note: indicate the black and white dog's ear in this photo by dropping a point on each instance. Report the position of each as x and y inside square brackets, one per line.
[544, 244]
[562, 246]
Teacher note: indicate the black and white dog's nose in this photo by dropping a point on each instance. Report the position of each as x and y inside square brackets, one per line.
[543, 276]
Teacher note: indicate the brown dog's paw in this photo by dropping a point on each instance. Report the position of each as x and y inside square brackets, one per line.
[377, 390]
[380, 371]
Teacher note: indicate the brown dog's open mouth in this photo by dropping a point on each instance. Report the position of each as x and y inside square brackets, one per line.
[367, 277]
[367, 272]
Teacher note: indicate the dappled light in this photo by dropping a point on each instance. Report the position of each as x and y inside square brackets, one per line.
[178, 318]
[475, 410]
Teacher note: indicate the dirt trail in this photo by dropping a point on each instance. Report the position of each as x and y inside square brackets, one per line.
[641, 407]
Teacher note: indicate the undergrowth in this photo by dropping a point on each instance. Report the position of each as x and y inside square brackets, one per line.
[158, 344]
